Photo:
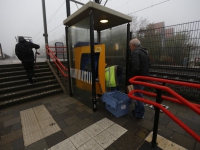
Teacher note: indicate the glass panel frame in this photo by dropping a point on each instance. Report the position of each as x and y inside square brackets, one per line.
[115, 40]
[79, 36]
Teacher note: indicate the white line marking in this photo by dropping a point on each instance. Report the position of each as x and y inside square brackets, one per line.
[98, 136]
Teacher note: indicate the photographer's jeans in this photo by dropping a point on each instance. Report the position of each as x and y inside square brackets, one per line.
[139, 106]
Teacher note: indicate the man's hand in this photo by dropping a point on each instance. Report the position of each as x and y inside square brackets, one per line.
[37, 53]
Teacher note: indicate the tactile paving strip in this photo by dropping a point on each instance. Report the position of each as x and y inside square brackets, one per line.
[37, 123]
[164, 143]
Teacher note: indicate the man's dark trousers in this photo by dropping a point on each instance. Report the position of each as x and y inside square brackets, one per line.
[29, 67]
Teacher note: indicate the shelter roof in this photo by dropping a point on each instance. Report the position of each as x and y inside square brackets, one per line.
[100, 12]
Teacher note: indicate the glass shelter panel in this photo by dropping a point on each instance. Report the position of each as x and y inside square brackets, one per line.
[115, 52]
[80, 61]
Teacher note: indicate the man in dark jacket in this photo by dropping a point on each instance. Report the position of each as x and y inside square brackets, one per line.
[139, 66]
[24, 52]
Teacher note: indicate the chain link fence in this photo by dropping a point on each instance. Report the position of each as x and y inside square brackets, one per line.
[174, 53]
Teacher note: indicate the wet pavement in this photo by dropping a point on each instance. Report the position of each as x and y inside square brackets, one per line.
[62, 122]
[70, 117]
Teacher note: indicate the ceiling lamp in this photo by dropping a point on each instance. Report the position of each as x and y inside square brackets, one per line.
[104, 21]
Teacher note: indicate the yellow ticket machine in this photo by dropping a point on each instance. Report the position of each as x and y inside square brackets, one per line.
[83, 66]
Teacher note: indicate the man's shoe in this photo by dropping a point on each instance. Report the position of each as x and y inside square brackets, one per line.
[34, 80]
[132, 114]
[137, 117]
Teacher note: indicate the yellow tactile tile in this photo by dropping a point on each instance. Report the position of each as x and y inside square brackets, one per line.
[164, 143]
[41, 112]
[28, 117]
[33, 137]
[49, 127]
[170, 145]
[28, 129]
[37, 123]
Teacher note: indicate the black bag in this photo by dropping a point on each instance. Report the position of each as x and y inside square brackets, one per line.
[26, 49]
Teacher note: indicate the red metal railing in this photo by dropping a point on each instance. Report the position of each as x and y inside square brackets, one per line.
[57, 62]
[58, 51]
[177, 98]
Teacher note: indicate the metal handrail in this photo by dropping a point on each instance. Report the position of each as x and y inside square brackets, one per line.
[165, 98]
[56, 61]
[56, 46]
[178, 99]
[59, 52]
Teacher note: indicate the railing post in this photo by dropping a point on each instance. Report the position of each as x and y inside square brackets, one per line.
[47, 50]
[156, 118]
[56, 59]
[68, 62]
[92, 51]
[45, 26]
[128, 37]
[63, 54]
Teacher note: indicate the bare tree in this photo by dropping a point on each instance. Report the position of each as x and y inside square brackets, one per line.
[138, 24]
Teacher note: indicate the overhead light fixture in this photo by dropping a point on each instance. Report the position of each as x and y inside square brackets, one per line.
[104, 21]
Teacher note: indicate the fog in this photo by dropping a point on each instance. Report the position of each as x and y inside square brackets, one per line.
[25, 17]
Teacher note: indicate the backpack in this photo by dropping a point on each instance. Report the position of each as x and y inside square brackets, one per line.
[26, 49]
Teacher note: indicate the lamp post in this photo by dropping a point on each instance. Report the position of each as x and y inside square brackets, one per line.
[45, 26]
[68, 8]
[45, 22]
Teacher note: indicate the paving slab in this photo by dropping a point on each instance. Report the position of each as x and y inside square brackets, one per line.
[72, 117]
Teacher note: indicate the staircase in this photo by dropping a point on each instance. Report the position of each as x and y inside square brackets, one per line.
[14, 88]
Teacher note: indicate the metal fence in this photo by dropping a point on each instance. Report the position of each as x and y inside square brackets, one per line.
[174, 53]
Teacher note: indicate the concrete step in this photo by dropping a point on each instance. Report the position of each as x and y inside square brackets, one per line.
[19, 65]
[21, 77]
[39, 83]
[10, 68]
[14, 88]
[22, 72]
[46, 77]
[28, 91]
[33, 96]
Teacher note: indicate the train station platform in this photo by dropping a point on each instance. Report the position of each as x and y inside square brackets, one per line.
[62, 122]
